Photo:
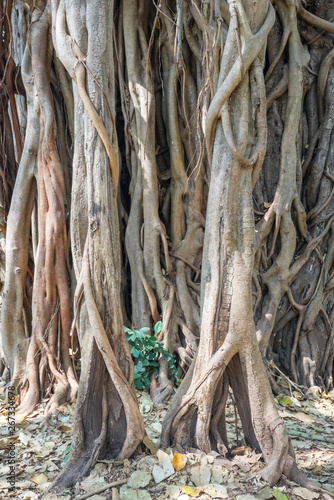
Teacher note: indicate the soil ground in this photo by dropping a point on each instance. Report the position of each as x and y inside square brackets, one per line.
[42, 447]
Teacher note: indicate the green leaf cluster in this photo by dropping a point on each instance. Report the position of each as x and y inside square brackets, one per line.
[146, 351]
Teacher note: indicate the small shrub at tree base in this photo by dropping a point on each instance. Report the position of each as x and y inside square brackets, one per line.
[146, 351]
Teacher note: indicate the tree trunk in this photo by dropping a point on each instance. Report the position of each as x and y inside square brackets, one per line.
[228, 350]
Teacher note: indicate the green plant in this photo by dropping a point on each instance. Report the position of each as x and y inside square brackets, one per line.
[146, 352]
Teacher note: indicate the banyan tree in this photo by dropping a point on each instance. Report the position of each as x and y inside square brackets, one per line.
[167, 161]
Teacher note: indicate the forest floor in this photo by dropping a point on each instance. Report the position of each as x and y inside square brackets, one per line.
[42, 449]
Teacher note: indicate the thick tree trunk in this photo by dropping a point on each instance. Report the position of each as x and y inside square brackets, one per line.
[108, 422]
[228, 343]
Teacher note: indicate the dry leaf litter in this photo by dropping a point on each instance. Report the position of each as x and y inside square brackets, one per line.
[42, 448]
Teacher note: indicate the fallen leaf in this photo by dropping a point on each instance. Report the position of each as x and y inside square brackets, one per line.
[162, 471]
[313, 392]
[21, 485]
[295, 401]
[23, 438]
[131, 494]
[285, 401]
[329, 487]
[279, 495]
[115, 494]
[150, 445]
[242, 464]
[218, 474]
[49, 445]
[139, 479]
[92, 483]
[305, 493]
[19, 418]
[162, 456]
[5, 442]
[63, 418]
[65, 428]
[154, 430]
[172, 491]
[264, 494]
[179, 461]
[51, 466]
[146, 463]
[240, 450]
[50, 496]
[247, 496]
[192, 491]
[200, 474]
[39, 479]
[216, 491]
[30, 495]
[303, 417]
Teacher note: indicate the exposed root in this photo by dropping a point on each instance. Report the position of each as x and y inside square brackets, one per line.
[225, 117]
[253, 44]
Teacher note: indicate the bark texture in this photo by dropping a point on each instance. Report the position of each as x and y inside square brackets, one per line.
[167, 161]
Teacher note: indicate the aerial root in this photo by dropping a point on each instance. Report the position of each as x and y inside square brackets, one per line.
[226, 121]
[218, 425]
[253, 44]
[135, 425]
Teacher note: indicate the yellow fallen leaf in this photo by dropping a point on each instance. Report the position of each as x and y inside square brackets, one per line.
[317, 468]
[179, 461]
[39, 479]
[192, 491]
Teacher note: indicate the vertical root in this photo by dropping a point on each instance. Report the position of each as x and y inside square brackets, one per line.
[218, 423]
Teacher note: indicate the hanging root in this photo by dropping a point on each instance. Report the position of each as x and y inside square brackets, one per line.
[135, 426]
[85, 453]
[253, 44]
